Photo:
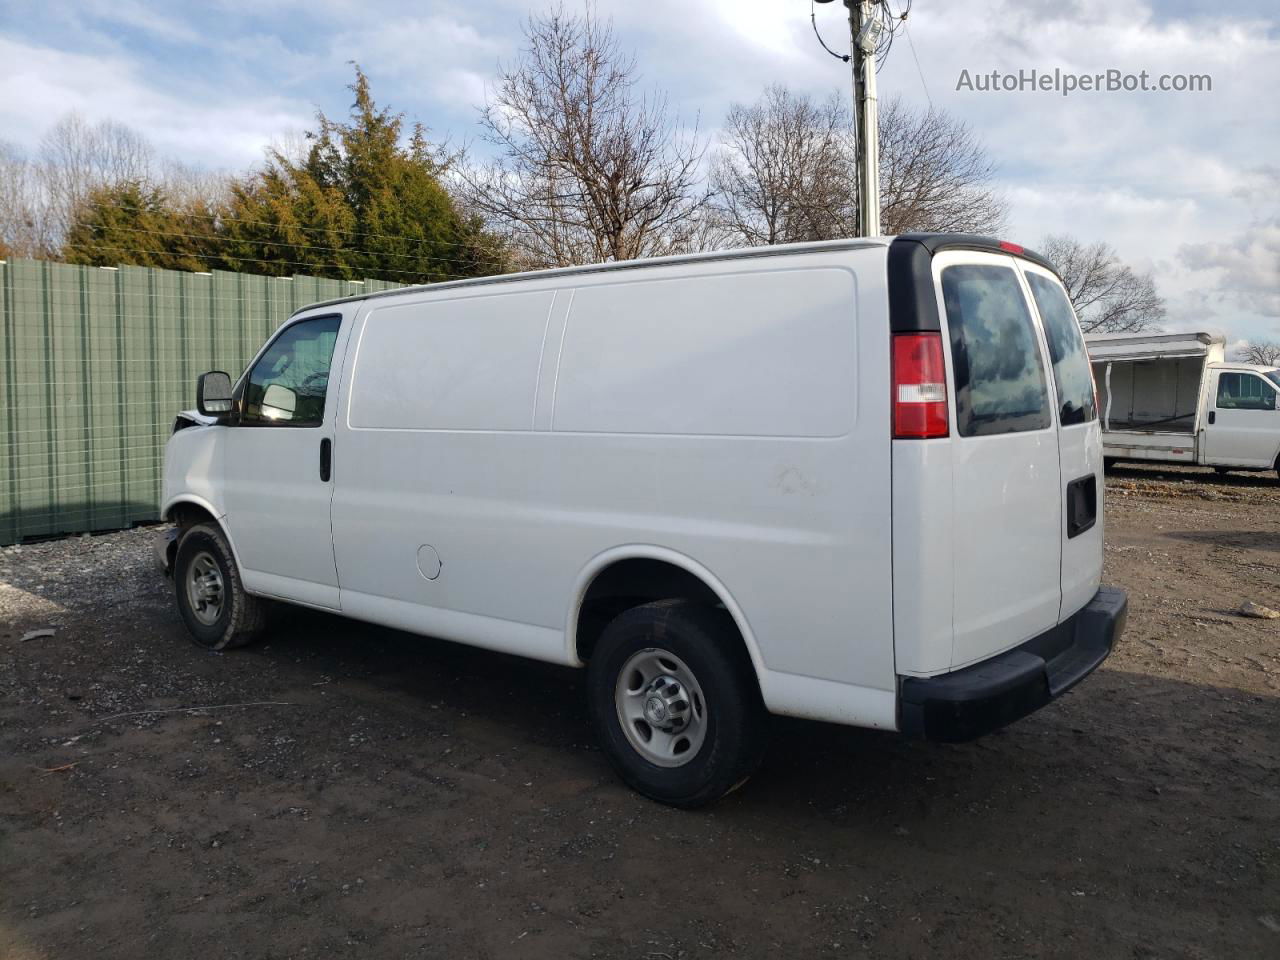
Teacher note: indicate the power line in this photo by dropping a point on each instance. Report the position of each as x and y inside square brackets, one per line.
[813, 18]
[292, 263]
[287, 243]
[907, 31]
[285, 226]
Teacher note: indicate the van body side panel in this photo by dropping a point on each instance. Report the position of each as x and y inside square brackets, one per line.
[460, 363]
[436, 463]
[794, 520]
[761, 353]
[745, 429]
[194, 467]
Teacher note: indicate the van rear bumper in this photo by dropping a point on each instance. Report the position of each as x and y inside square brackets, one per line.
[959, 706]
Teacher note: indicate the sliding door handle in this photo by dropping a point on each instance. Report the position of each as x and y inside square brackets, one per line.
[326, 459]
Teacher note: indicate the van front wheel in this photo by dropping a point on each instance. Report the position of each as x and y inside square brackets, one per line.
[675, 703]
[211, 599]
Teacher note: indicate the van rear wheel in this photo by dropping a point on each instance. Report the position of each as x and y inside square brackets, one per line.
[675, 703]
[211, 598]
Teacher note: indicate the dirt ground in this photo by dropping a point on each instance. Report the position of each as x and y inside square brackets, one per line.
[353, 791]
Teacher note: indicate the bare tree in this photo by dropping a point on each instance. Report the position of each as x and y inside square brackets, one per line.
[24, 220]
[194, 190]
[77, 158]
[1108, 296]
[783, 172]
[935, 174]
[786, 170]
[1263, 352]
[587, 168]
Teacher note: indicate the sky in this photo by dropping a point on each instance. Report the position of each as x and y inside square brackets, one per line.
[1184, 184]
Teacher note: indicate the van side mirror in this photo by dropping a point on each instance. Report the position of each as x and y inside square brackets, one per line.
[213, 393]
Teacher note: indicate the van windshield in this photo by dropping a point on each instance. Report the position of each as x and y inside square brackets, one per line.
[1066, 350]
[1273, 376]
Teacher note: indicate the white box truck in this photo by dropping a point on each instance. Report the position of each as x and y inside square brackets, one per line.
[1173, 397]
[857, 481]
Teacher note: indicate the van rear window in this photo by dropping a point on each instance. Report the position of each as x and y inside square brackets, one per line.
[999, 377]
[1066, 350]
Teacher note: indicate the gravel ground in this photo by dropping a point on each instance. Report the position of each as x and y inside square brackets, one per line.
[352, 791]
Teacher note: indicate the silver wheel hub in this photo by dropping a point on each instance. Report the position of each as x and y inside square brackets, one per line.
[661, 707]
[205, 590]
[666, 705]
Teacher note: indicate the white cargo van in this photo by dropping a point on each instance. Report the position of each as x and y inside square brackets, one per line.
[1172, 397]
[856, 481]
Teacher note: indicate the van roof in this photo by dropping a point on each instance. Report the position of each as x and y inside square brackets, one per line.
[927, 244]
[816, 246]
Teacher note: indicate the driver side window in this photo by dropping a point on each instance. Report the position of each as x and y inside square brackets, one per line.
[289, 383]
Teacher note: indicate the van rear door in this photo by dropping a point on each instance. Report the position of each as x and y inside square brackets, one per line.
[1007, 477]
[1079, 437]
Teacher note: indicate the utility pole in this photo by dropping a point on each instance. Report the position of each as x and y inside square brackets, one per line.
[864, 33]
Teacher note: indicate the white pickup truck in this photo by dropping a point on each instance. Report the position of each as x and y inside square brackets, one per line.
[1173, 397]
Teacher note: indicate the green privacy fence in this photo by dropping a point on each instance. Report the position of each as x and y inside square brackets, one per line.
[94, 363]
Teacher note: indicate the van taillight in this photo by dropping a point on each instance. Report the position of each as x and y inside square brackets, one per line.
[919, 386]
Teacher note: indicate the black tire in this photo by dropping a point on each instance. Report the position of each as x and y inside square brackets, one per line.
[240, 618]
[706, 643]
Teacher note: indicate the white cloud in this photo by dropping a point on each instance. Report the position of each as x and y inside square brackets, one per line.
[46, 83]
[1178, 183]
[441, 58]
[1247, 266]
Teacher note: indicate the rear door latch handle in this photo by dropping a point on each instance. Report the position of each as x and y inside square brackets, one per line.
[1082, 505]
[326, 459]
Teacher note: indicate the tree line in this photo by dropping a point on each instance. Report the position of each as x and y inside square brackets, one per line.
[576, 164]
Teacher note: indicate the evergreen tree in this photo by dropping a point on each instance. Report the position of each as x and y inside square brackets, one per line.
[134, 223]
[361, 203]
